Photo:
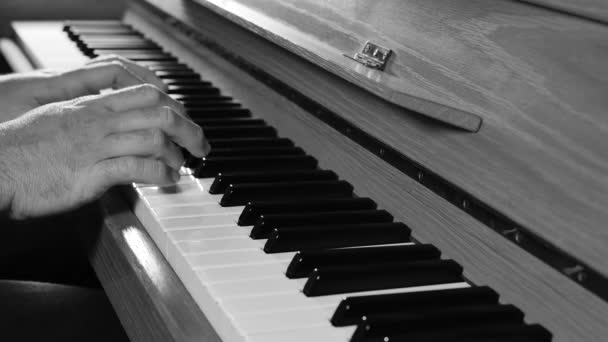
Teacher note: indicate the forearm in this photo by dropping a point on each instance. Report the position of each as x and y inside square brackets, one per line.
[20, 93]
[7, 181]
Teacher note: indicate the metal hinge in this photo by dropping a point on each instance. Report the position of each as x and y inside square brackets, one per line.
[372, 56]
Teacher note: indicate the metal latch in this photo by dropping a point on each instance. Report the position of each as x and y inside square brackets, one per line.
[372, 56]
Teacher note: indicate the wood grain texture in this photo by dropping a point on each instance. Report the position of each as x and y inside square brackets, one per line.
[492, 58]
[571, 313]
[542, 162]
[149, 298]
[593, 9]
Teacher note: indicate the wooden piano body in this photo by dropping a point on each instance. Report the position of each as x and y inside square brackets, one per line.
[485, 133]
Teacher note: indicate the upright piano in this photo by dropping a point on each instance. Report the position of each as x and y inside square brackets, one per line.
[401, 170]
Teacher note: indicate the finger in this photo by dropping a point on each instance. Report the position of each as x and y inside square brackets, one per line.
[143, 143]
[142, 72]
[136, 97]
[179, 128]
[125, 170]
[91, 79]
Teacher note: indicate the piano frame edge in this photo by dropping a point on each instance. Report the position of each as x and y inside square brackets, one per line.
[545, 295]
[148, 297]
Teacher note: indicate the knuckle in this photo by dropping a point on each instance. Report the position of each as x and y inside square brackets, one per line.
[159, 139]
[150, 92]
[155, 170]
[116, 66]
[167, 117]
[130, 166]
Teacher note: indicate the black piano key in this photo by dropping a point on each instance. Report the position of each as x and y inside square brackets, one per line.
[220, 144]
[298, 238]
[223, 180]
[304, 262]
[227, 132]
[253, 210]
[138, 57]
[76, 31]
[230, 122]
[70, 24]
[255, 151]
[166, 66]
[83, 37]
[241, 194]
[267, 223]
[205, 99]
[250, 142]
[120, 39]
[210, 167]
[173, 74]
[144, 46]
[351, 309]
[198, 89]
[378, 327]
[185, 82]
[489, 332]
[345, 279]
[206, 107]
[149, 52]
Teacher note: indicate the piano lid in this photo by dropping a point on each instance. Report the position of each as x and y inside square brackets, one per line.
[360, 41]
[459, 62]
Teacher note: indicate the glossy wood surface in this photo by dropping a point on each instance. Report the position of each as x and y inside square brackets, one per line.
[542, 162]
[546, 296]
[593, 9]
[496, 59]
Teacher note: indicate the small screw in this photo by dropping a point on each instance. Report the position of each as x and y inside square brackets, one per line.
[514, 232]
[465, 204]
[577, 272]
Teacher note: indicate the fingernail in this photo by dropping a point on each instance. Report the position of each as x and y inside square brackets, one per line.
[206, 147]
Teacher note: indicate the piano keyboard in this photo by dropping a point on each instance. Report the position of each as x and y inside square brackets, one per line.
[274, 249]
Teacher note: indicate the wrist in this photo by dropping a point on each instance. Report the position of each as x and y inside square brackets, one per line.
[8, 182]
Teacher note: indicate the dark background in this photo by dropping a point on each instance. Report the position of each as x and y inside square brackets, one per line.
[57, 10]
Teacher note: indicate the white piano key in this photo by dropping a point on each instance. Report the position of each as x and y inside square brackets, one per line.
[181, 199]
[219, 245]
[206, 233]
[189, 188]
[218, 318]
[241, 272]
[184, 179]
[287, 320]
[247, 257]
[190, 210]
[199, 221]
[289, 302]
[256, 287]
[325, 333]
[205, 183]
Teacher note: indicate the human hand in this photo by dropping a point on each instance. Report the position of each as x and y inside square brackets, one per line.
[62, 155]
[20, 93]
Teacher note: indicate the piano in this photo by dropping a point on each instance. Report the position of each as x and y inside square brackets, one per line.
[380, 171]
